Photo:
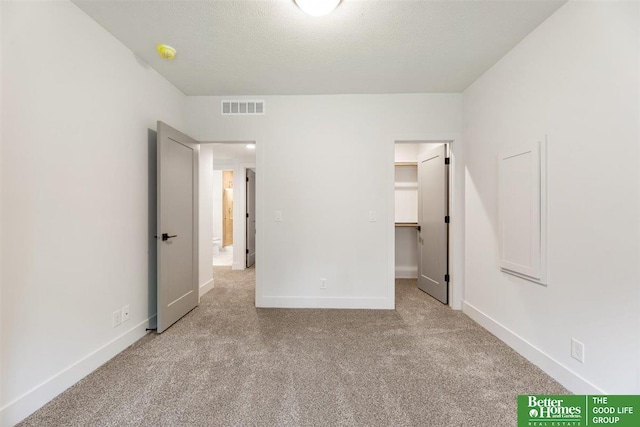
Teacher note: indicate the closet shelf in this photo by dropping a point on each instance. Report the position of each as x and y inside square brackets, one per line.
[406, 163]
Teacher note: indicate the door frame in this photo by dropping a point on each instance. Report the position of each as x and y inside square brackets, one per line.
[456, 213]
[239, 205]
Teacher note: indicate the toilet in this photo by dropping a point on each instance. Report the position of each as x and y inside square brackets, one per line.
[217, 241]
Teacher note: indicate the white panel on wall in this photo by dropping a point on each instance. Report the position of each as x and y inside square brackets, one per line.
[521, 211]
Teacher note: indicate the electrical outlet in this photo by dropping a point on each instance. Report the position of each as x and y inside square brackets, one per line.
[577, 350]
[323, 283]
[125, 313]
[278, 216]
[373, 216]
[117, 318]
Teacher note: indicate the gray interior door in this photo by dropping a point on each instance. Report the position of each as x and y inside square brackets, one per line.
[251, 217]
[433, 183]
[177, 233]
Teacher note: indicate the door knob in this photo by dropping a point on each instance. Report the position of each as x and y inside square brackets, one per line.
[165, 236]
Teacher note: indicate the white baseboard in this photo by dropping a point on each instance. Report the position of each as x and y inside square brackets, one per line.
[238, 266]
[326, 302]
[556, 370]
[404, 272]
[20, 408]
[206, 287]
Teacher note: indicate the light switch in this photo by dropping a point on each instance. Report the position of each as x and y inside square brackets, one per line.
[373, 216]
[278, 216]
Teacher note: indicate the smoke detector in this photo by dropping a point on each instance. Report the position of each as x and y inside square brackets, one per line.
[166, 51]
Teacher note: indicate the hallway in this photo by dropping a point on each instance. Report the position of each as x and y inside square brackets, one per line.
[228, 363]
[224, 257]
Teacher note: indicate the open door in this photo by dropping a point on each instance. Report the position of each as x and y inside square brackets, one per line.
[177, 233]
[251, 217]
[433, 219]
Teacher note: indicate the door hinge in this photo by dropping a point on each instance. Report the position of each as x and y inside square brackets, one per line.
[447, 160]
[247, 215]
[447, 219]
[247, 179]
[446, 278]
[247, 251]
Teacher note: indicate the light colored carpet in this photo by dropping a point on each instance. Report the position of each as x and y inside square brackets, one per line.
[230, 364]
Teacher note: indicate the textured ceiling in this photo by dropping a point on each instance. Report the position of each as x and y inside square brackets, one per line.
[247, 47]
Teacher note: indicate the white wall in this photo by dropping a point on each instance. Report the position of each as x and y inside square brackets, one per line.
[206, 214]
[1, 102]
[574, 79]
[406, 180]
[406, 152]
[325, 162]
[217, 203]
[78, 166]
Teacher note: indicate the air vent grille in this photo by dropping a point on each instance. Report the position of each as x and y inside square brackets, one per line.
[242, 108]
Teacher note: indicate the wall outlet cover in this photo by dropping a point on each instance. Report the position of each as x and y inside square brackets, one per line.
[125, 313]
[577, 350]
[116, 318]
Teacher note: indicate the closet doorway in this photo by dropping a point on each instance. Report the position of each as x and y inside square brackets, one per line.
[421, 194]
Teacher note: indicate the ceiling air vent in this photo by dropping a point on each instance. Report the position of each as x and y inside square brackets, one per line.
[242, 108]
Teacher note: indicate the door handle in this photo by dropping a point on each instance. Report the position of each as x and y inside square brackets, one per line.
[165, 236]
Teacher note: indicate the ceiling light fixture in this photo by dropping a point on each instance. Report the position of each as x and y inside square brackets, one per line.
[251, 146]
[317, 7]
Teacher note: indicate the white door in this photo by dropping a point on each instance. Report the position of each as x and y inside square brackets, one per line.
[251, 217]
[177, 233]
[433, 182]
